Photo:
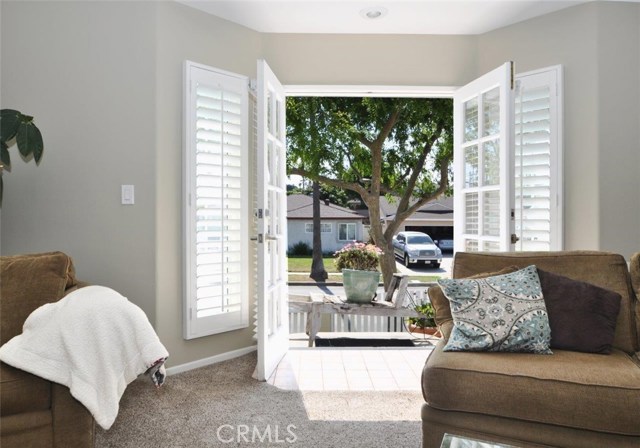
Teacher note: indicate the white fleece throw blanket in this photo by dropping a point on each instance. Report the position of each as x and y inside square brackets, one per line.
[93, 341]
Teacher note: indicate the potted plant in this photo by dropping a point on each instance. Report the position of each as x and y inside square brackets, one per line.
[17, 128]
[359, 265]
[426, 324]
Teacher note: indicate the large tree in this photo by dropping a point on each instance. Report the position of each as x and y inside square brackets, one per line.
[398, 147]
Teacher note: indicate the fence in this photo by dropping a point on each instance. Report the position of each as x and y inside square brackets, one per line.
[360, 323]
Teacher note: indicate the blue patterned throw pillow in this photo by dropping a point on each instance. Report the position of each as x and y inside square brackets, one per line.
[503, 313]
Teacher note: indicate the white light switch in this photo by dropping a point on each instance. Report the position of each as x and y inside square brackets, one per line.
[128, 195]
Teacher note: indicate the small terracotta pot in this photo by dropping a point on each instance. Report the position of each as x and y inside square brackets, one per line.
[433, 331]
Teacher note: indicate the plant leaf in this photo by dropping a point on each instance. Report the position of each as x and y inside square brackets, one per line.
[29, 140]
[9, 121]
[4, 156]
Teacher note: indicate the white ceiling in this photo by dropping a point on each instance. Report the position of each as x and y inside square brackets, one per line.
[401, 17]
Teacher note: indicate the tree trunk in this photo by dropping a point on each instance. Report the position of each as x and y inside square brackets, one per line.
[318, 273]
[387, 264]
[387, 260]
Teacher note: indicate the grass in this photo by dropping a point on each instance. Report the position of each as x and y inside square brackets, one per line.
[300, 267]
[303, 264]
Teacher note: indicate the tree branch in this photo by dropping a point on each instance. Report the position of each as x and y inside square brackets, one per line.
[444, 184]
[329, 181]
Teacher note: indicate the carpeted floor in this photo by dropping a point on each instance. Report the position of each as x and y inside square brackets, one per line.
[222, 406]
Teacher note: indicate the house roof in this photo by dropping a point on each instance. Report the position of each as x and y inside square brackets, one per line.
[300, 206]
[441, 208]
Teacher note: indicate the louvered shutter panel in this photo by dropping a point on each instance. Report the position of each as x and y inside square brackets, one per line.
[216, 210]
[538, 161]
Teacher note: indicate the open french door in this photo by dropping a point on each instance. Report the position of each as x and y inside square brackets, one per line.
[483, 147]
[273, 312]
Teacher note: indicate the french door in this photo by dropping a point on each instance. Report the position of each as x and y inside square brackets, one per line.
[273, 311]
[483, 173]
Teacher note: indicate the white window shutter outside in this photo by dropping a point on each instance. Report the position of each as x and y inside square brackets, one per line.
[538, 160]
[216, 205]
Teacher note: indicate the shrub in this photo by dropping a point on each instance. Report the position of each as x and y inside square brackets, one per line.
[300, 249]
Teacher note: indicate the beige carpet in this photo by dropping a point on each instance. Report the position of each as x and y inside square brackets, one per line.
[222, 406]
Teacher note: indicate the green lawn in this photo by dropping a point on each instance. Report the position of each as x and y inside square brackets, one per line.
[303, 264]
[300, 267]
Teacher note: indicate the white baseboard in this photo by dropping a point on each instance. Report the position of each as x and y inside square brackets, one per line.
[210, 360]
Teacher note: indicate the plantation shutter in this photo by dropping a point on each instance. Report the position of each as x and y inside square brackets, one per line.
[216, 201]
[538, 161]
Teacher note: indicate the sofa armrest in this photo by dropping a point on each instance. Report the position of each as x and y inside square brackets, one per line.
[73, 425]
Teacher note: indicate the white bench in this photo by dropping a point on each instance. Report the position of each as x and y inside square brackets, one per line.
[394, 304]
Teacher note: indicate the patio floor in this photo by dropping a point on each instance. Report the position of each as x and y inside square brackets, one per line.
[353, 369]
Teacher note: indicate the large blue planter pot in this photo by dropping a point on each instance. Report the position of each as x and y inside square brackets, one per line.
[360, 286]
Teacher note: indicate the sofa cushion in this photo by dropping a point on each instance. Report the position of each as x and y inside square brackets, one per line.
[578, 390]
[606, 270]
[582, 316]
[502, 313]
[22, 392]
[28, 282]
[441, 304]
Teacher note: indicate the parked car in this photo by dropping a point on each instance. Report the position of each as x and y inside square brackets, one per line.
[416, 247]
[445, 245]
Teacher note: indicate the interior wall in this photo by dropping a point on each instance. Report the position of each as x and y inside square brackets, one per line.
[619, 137]
[85, 71]
[185, 33]
[371, 59]
[568, 37]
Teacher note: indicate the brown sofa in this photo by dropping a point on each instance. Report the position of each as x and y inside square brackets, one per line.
[568, 399]
[35, 412]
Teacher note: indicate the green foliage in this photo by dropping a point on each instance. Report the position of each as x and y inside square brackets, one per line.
[424, 322]
[334, 195]
[330, 136]
[300, 249]
[359, 256]
[16, 127]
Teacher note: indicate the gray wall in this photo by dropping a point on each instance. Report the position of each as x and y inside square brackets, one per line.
[371, 59]
[86, 72]
[619, 137]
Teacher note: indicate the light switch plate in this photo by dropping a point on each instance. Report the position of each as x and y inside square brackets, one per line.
[128, 195]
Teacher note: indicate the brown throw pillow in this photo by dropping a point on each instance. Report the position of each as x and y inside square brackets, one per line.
[582, 316]
[441, 303]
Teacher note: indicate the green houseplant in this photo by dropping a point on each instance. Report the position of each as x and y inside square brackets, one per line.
[17, 128]
[426, 324]
[359, 265]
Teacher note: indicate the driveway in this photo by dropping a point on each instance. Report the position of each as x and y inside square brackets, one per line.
[443, 271]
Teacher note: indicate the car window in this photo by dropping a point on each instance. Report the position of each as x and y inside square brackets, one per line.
[420, 239]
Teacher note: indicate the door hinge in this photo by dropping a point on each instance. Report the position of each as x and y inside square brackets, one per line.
[259, 237]
[259, 213]
[514, 238]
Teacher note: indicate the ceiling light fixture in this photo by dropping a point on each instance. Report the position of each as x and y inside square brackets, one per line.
[373, 13]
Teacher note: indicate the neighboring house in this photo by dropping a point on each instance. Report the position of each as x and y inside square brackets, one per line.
[434, 218]
[339, 225]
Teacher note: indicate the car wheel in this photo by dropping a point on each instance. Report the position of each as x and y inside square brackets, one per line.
[406, 260]
[435, 265]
